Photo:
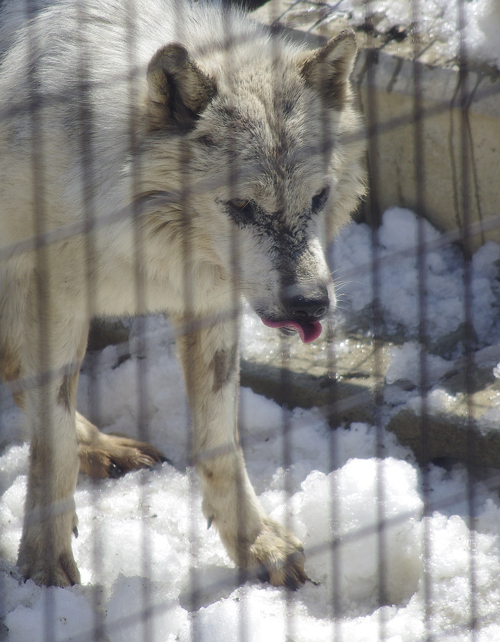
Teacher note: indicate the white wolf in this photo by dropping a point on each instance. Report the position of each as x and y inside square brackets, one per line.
[161, 156]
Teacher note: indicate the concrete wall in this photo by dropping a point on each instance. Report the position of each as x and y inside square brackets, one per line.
[454, 190]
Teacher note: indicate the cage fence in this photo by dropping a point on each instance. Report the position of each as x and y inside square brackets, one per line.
[171, 176]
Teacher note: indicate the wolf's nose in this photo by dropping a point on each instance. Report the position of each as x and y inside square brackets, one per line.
[305, 309]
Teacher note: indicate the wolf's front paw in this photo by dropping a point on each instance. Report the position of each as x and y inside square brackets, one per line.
[45, 553]
[280, 556]
[61, 570]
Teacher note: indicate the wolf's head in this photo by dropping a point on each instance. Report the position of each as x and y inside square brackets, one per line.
[270, 155]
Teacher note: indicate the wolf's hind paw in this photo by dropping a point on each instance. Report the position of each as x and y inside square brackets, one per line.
[113, 456]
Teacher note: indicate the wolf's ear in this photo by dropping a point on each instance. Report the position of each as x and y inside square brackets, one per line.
[327, 69]
[178, 91]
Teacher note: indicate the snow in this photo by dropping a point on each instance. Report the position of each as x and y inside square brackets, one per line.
[398, 292]
[405, 364]
[150, 568]
[440, 20]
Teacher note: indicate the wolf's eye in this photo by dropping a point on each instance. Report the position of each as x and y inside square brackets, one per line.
[242, 207]
[319, 200]
[239, 203]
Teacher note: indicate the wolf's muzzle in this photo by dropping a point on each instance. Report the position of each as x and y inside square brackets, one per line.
[306, 309]
[303, 313]
[306, 305]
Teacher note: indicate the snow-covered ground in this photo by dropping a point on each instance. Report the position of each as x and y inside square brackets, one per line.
[152, 571]
[443, 280]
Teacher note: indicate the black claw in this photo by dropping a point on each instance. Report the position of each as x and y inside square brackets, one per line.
[263, 574]
[114, 471]
[291, 583]
[297, 578]
[161, 459]
[156, 457]
[75, 532]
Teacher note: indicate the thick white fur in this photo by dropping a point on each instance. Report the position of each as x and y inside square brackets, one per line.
[107, 208]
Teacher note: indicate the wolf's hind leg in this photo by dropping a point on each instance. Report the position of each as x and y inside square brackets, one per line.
[252, 539]
[103, 455]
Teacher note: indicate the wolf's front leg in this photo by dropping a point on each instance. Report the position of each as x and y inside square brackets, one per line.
[50, 383]
[252, 539]
[45, 553]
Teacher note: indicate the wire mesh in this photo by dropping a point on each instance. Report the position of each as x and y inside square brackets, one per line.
[175, 174]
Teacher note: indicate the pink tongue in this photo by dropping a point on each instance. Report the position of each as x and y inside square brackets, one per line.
[308, 332]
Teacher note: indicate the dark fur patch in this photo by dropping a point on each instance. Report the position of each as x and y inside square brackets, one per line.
[9, 365]
[67, 391]
[206, 472]
[206, 140]
[328, 73]
[287, 107]
[10, 370]
[224, 366]
[179, 91]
